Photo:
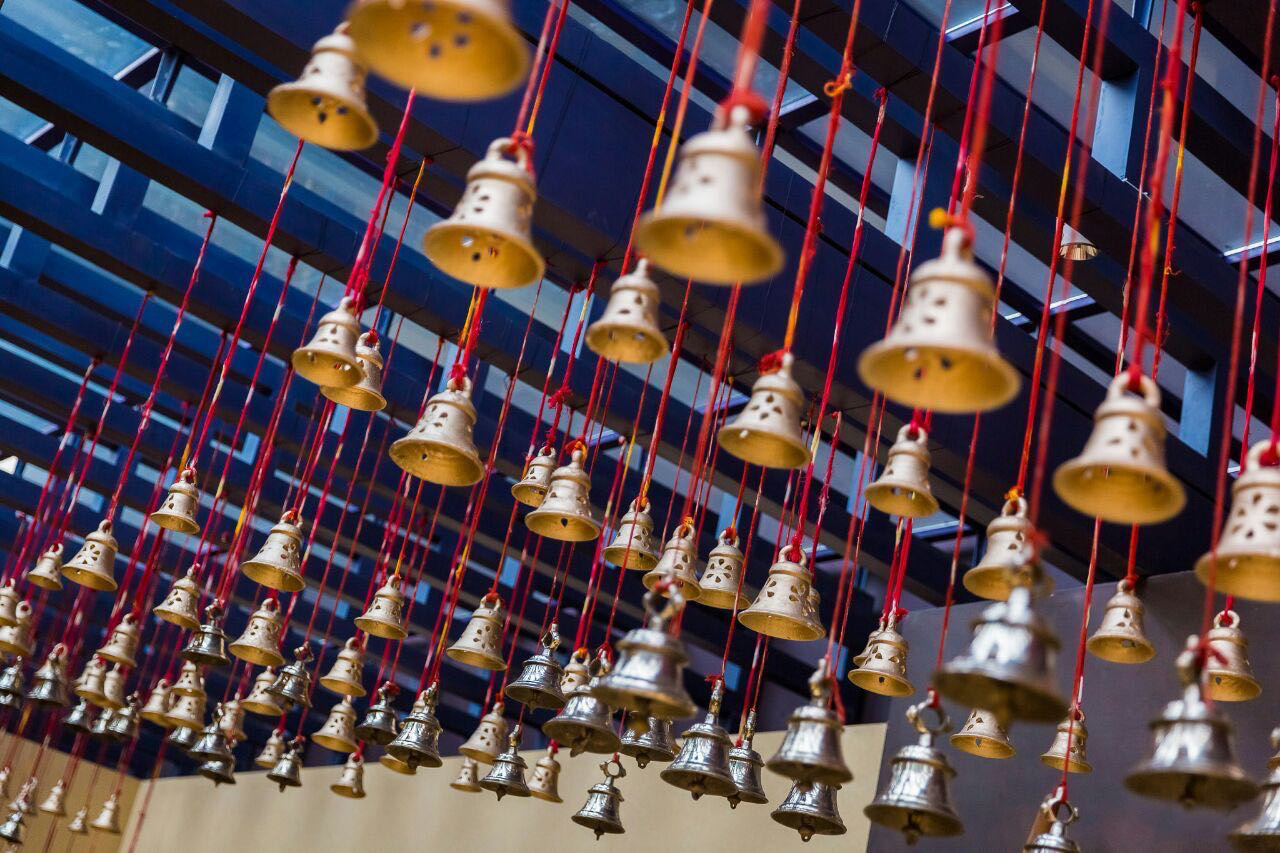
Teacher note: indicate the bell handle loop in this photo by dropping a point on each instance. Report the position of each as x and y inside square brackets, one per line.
[518, 149]
[1125, 585]
[729, 536]
[188, 474]
[684, 530]
[1054, 803]
[1226, 619]
[1260, 456]
[551, 639]
[613, 769]
[915, 716]
[1015, 507]
[913, 433]
[1146, 388]
[459, 384]
[580, 655]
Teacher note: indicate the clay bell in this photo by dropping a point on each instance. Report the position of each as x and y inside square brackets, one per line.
[292, 685]
[232, 720]
[1228, 673]
[655, 743]
[1009, 537]
[1248, 553]
[385, 615]
[122, 646]
[532, 487]
[702, 767]
[647, 680]
[628, 330]
[882, 667]
[9, 601]
[108, 819]
[326, 105]
[278, 563]
[1120, 637]
[287, 772]
[810, 809]
[565, 513]
[710, 225]
[468, 778]
[983, 735]
[744, 768]
[486, 741]
[47, 572]
[1263, 832]
[506, 776]
[208, 645]
[585, 724]
[271, 752]
[49, 684]
[1120, 475]
[810, 749]
[260, 699]
[601, 813]
[939, 355]
[379, 723]
[366, 394]
[16, 639]
[544, 782]
[94, 564]
[481, 642]
[721, 583]
[350, 782]
[260, 642]
[417, 742]
[181, 506]
[329, 358]
[179, 605]
[1068, 747]
[441, 447]
[539, 683]
[633, 546]
[679, 561]
[902, 489]
[338, 732]
[157, 704]
[917, 799]
[783, 608]
[767, 431]
[344, 676]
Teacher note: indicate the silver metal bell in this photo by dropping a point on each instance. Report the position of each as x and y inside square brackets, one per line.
[56, 801]
[287, 772]
[647, 679]
[506, 776]
[292, 685]
[565, 513]
[744, 768]
[585, 724]
[532, 487]
[208, 646]
[539, 683]
[1263, 832]
[49, 684]
[80, 718]
[811, 750]
[417, 743]
[486, 741]
[181, 738]
[124, 722]
[917, 799]
[810, 809]
[655, 743]
[79, 824]
[601, 813]
[1054, 839]
[902, 489]
[628, 330]
[379, 723]
[633, 546]
[220, 772]
[212, 743]
[702, 767]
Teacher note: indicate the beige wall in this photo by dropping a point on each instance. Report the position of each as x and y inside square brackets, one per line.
[402, 813]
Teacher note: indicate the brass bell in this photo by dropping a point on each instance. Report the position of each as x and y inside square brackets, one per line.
[883, 667]
[628, 330]
[379, 723]
[721, 583]
[190, 682]
[1228, 673]
[417, 743]
[55, 803]
[532, 487]
[702, 767]
[351, 783]
[481, 642]
[1193, 761]
[585, 724]
[27, 796]
[810, 750]
[1068, 747]
[1008, 555]
[902, 489]
[395, 765]
[783, 608]
[80, 718]
[12, 830]
[744, 768]
[329, 358]
[9, 602]
[633, 546]
[647, 678]
[88, 685]
[122, 646]
[539, 683]
[260, 699]
[655, 743]
[544, 783]
[108, 820]
[220, 772]
[113, 688]
[1120, 475]
[287, 772]
[12, 680]
[49, 684]
[486, 741]
[94, 564]
[212, 743]
[79, 824]
[917, 799]
[565, 513]
[468, 778]
[17, 639]
[326, 105]
[441, 447]
[1263, 832]
[810, 809]
[12, 701]
[507, 774]
[293, 683]
[366, 394]
[260, 642]
[208, 645]
[338, 732]
[601, 813]
[1248, 554]
[181, 738]
[124, 722]
[457, 50]
[344, 676]
[187, 712]
[939, 354]
[179, 606]
[1120, 637]
[576, 672]
[271, 752]
[232, 721]
[983, 735]
[767, 431]
[385, 616]
[487, 241]
[1054, 839]
[47, 572]
[278, 563]
[679, 561]
[181, 506]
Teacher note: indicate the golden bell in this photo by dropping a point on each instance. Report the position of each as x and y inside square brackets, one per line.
[744, 768]
[902, 489]
[633, 546]
[532, 487]
[366, 394]
[711, 226]
[767, 431]
[385, 615]
[271, 752]
[628, 330]
[47, 572]
[9, 602]
[186, 712]
[679, 561]
[351, 783]
[810, 809]
[94, 564]
[456, 50]
[260, 642]
[326, 105]
[329, 358]
[338, 732]
[538, 685]
[88, 685]
[468, 778]
[260, 699]
[113, 689]
[702, 767]
[721, 583]
[1120, 475]
[180, 605]
[565, 513]
[345, 676]
[122, 647]
[1263, 832]
[939, 354]
[983, 735]
[156, 709]
[481, 642]
[1248, 555]
[647, 680]
[1008, 555]
[190, 682]
[17, 639]
[544, 783]
[486, 741]
[783, 608]
[49, 684]
[601, 813]
[655, 743]
[232, 720]
[1068, 745]
[917, 799]
[278, 563]
[108, 820]
[487, 241]
[179, 510]
[883, 667]
[1120, 637]
[441, 447]
[56, 801]
[810, 750]
[1228, 673]
[506, 776]
[79, 824]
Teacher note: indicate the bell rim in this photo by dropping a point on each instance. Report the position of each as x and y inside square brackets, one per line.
[966, 742]
[479, 660]
[1239, 688]
[1234, 578]
[92, 580]
[53, 583]
[799, 820]
[175, 618]
[347, 791]
[272, 577]
[522, 492]
[878, 369]
[764, 623]
[115, 657]
[1038, 703]
[349, 688]
[355, 397]
[455, 469]
[881, 683]
[722, 599]
[882, 495]
[14, 649]
[896, 817]
[535, 699]
[397, 766]
[289, 103]
[1070, 487]
[307, 369]
[655, 238]
[1230, 789]
[545, 797]
[1074, 765]
[262, 709]
[174, 523]
[476, 755]
[255, 655]
[749, 448]
[440, 245]
[378, 628]
[334, 743]
[715, 784]
[550, 524]
[647, 348]
[640, 561]
[1112, 650]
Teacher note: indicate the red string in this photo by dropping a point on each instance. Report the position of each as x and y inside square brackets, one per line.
[1262, 283]
[359, 276]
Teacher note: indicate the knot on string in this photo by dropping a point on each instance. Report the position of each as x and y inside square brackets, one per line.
[209, 214]
[522, 141]
[1226, 618]
[900, 613]
[770, 362]
[931, 699]
[940, 220]
[573, 446]
[882, 94]
[559, 396]
[840, 84]
[1271, 455]
[553, 748]
[458, 372]
[371, 337]
[489, 597]
[290, 514]
[1013, 494]
[757, 108]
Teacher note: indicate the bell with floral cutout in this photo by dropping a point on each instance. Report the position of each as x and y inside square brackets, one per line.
[486, 741]
[186, 712]
[441, 447]
[577, 672]
[350, 782]
[983, 735]
[181, 506]
[679, 561]
[385, 615]
[810, 809]
[278, 563]
[1068, 747]
[601, 813]
[506, 776]
[468, 778]
[17, 639]
[89, 684]
[366, 394]
[345, 676]
[882, 668]
[122, 646]
[917, 799]
[329, 358]
[633, 546]
[544, 782]
[261, 700]
[1121, 637]
[271, 752]
[481, 642]
[628, 330]
[532, 487]
[260, 642]
[94, 564]
[179, 606]
[565, 513]
[1247, 561]
[538, 685]
[721, 583]
[810, 749]
[157, 704]
[47, 572]
[1227, 671]
[702, 767]
[647, 678]
[767, 431]
[326, 105]
[189, 682]
[9, 599]
[782, 608]
[902, 489]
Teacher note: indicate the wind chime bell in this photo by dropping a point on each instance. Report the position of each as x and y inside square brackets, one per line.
[468, 778]
[79, 824]
[565, 513]
[441, 447]
[186, 712]
[655, 743]
[179, 510]
[917, 799]
[271, 752]
[576, 672]
[507, 774]
[416, 744]
[190, 682]
[366, 394]
[125, 722]
[647, 678]
[679, 561]
[585, 724]
[12, 680]
[218, 771]
[108, 820]
[902, 489]
[208, 646]
[1246, 563]
[481, 642]
[628, 330]
[379, 723]
[287, 772]
[122, 646]
[344, 677]
[633, 546]
[88, 685]
[601, 813]
[9, 601]
[539, 683]
[179, 606]
[350, 782]
[385, 616]
[338, 732]
[1068, 747]
[486, 741]
[212, 743]
[326, 105]
[278, 563]
[261, 700]
[744, 768]
[13, 830]
[181, 738]
[882, 667]
[810, 749]
[292, 686]
[49, 684]
[783, 607]
[721, 583]
[1228, 673]
[260, 642]
[113, 688]
[702, 767]
[1054, 839]
[56, 801]
[1263, 832]
[532, 487]
[767, 431]
[233, 719]
[17, 639]
[810, 809]
[94, 564]
[1121, 637]
[983, 735]
[329, 358]
[80, 718]
[544, 783]
[47, 572]
[1009, 536]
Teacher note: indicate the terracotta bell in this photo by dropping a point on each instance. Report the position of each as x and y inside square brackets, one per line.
[271, 752]
[939, 355]
[157, 704]
[628, 330]
[181, 506]
[655, 743]
[16, 639]
[1120, 637]
[9, 602]
[532, 487]
[1228, 673]
[585, 724]
[882, 667]
[487, 241]
[47, 572]
[208, 645]
[179, 606]
[1068, 747]
[189, 682]
[292, 685]
[702, 767]
[326, 105]
[457, 50]
[366, 394]
[481, 642]
[902, 489]
[1248, 554]
[345, 676]
[108, 820]
[647, 678]
[601, 813]
[260, 699]
[767, 432]
[983, 735]
[56, 801]
[721, 583]
[565, 513]
[1120, 475]
[744, 768]
[379, 723]
[1008, 555]
[186, 712]
[1054, 839]
[88, 685]
[810, 810]
[486, 741]
[338, 732]
[278, 563]
[538, 685]
[1263, 832]
[506, 776]
[468, 778]
[79, 825]
[329, 358]
[679, 561]
[710, 225]
[633, 546]
[49, 684]
[94, 564]
[1193, 761]
[417, 742]
[260, 642]
[122, 646]
[917, 799]
[287, 772]
[350, 782]
[441, 447]
[810, 750]
[544, 782]
[783, 608]
[385, 616]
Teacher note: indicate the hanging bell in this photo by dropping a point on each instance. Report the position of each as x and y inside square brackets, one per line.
[124, 723]
[883, 667]
[12, 701]
[481, 642]
[544, 783]
[585, 724]
[113, 688]
[190, 682]
[647, 680]
[12, 680]
[80, 718]
[219, 772]
[532, 487]
[1068, 747]
[441, 447]
[1248, 553]
[1272, 763]
[679, 561]
[902, 489]
[633, 546]
[539, 683]
[600, 813]
[122, 646]
[565, 513]
[939, 354]
[47, 572]
[344, 677]
[1054, 839]
[628, 330]
[293, 683]
[1228, 673]
[702, 767]
[395, 765]
[17, 639]
[350, 783]
[1120, 475]
[810, 809]
[278, 563]
[49, 684]
[655, 743]
[782, 608]
[181, 506]
[385, 616]
[94, 564]
[721, 583]
[329, 358]
[379, 723]
[468, 778]
[767, 431]
[366, 394]
[260, 642]
[212, 743]
[287, 772]
[417, 743]
[1120, 637]
[232, 721]
[338, 732]
[89, 685]
[507, 774]
[260, 699]
[486, 741]
[744, 768]
[179, 606]
[810, 749]
[271, 752]
[1263, 832]
[108, 820]
[487, 241]
[1193, 761]
[79, 824]
[208, 646]
[56, 801]
[326, 105]
[917, 799]
[576, 672]
[12, 830]
[181, 738]
[983, 735]
[9, 602]
[187, 712]
[27, 797]
[1008, 555]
